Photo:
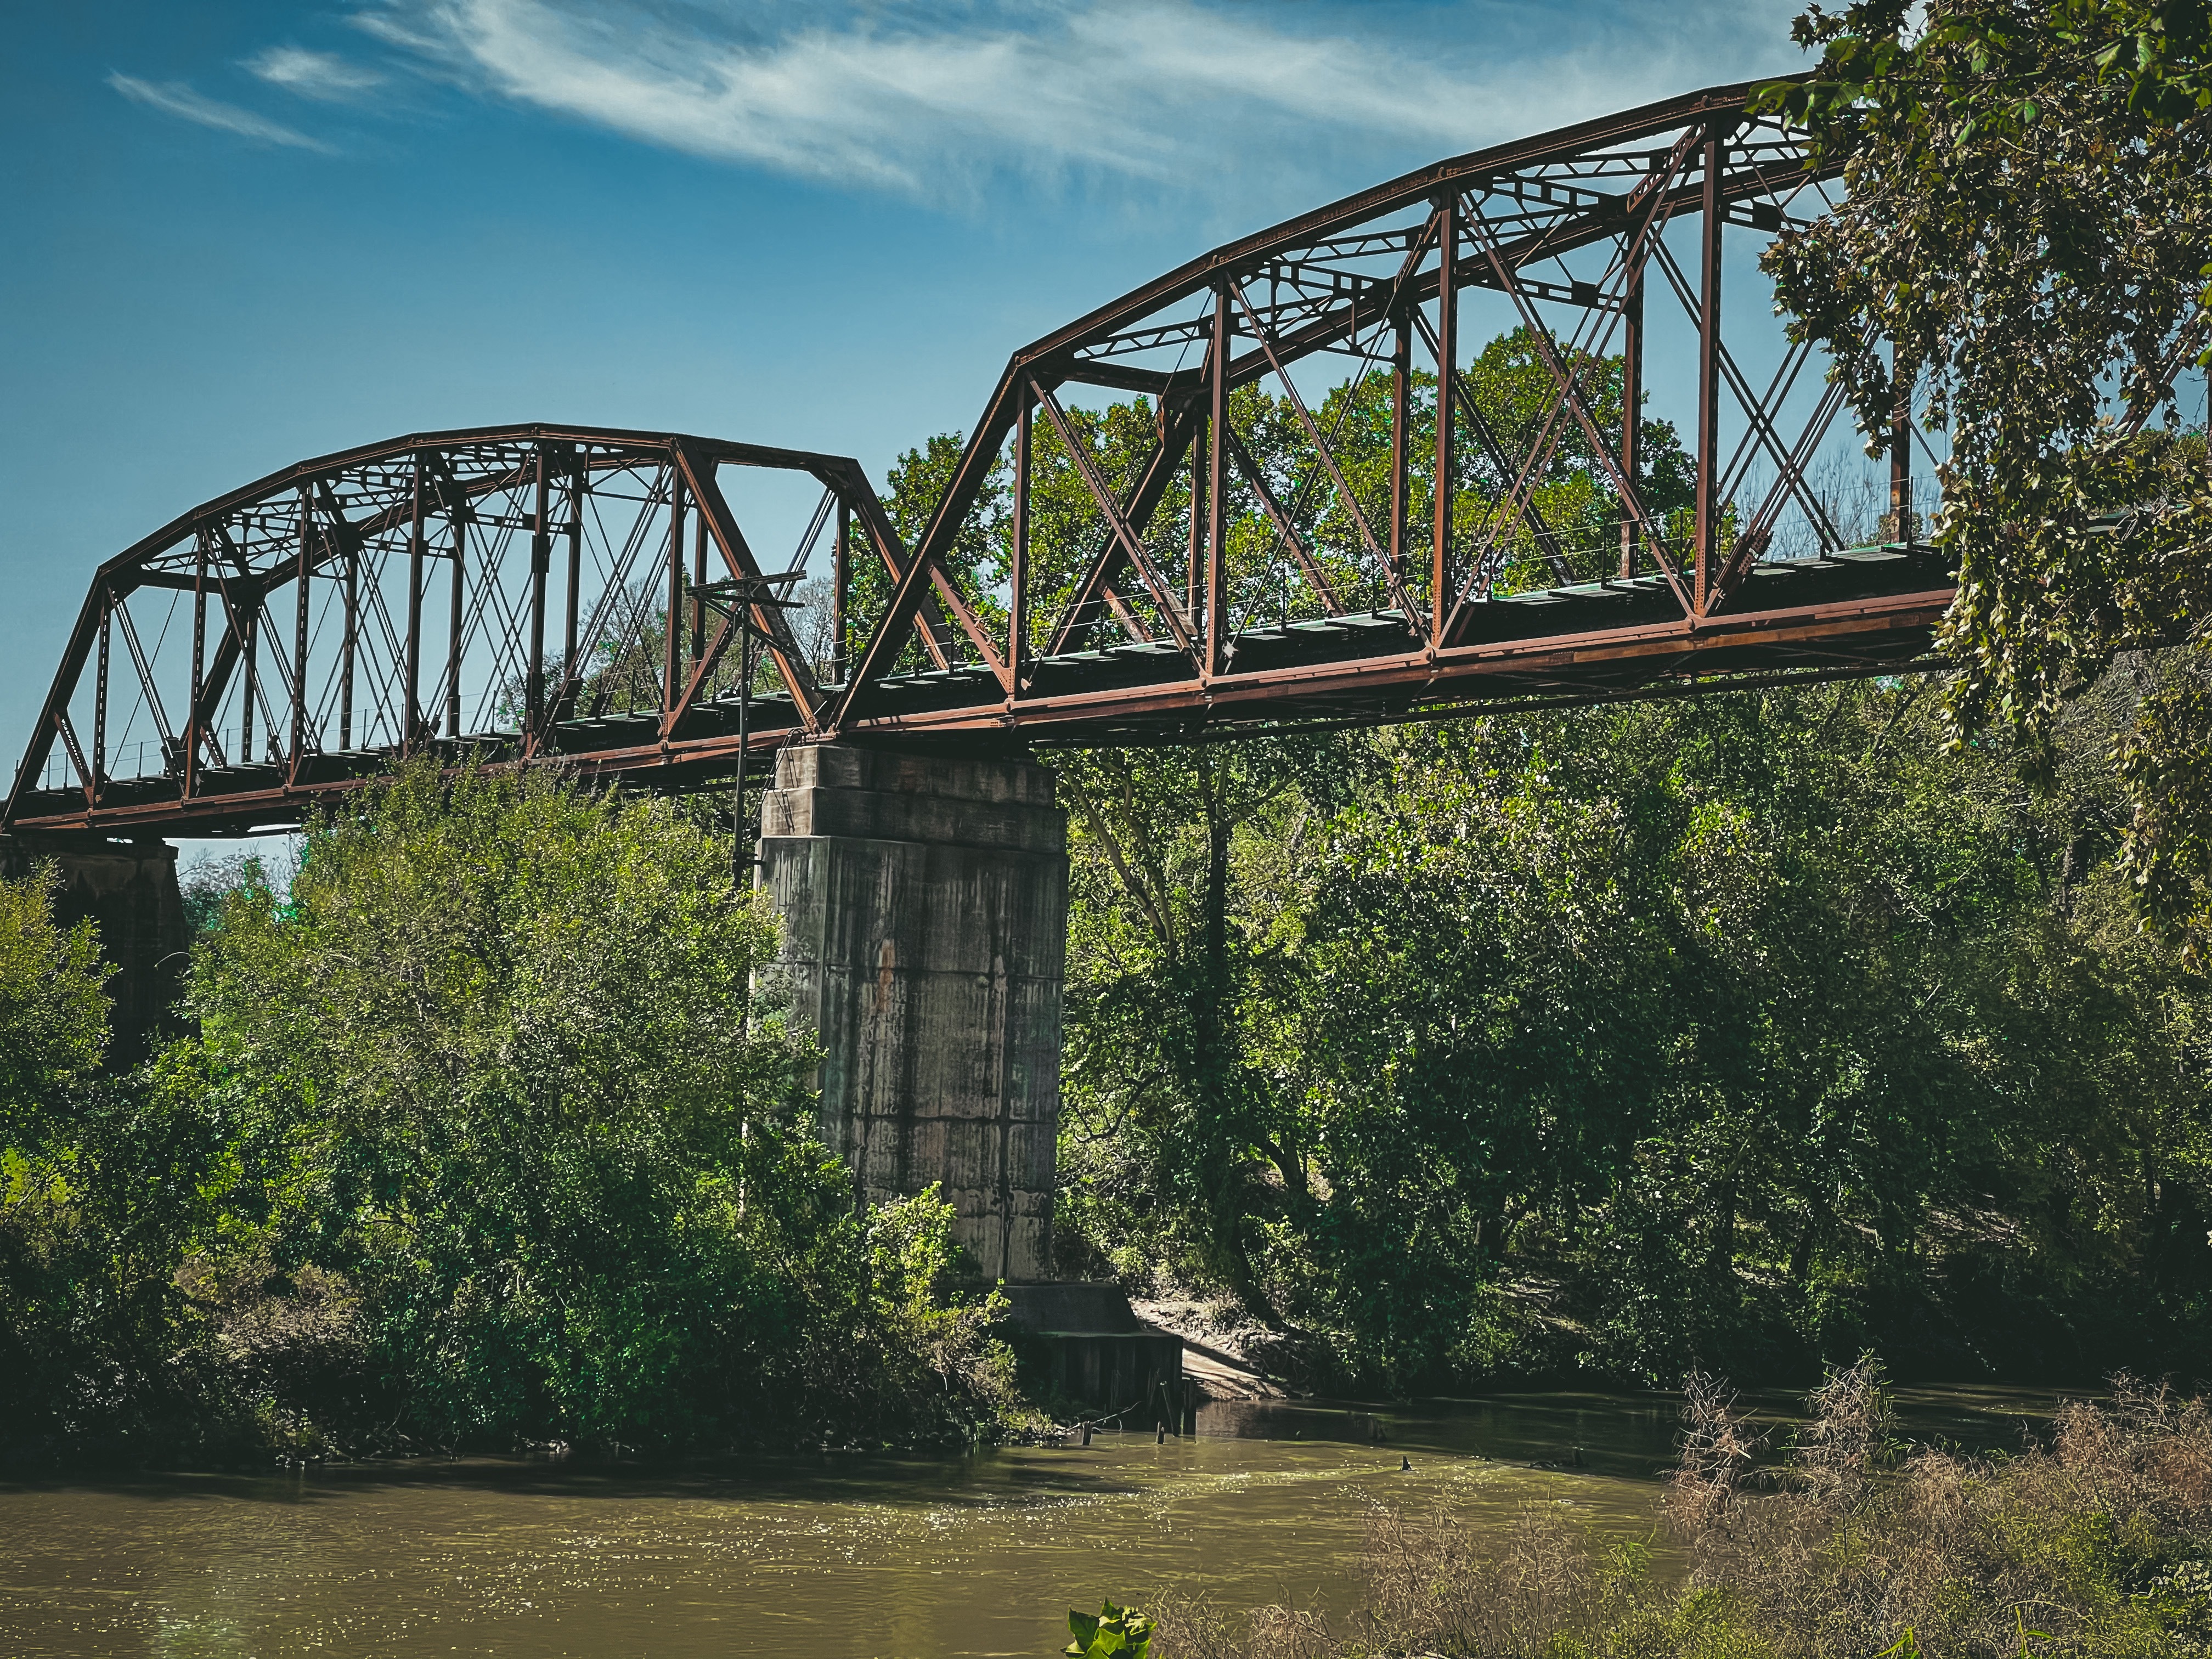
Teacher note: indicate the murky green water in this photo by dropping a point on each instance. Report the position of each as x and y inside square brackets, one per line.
[836, 1557]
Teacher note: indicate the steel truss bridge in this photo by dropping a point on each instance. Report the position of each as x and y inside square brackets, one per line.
[589, 597]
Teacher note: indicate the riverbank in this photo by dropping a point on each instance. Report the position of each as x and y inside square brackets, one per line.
[425, 1174]
[2090, 1540]
[843, 1556]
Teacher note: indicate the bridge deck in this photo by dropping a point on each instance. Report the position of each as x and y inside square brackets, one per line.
[1864, 610]
[592, 597]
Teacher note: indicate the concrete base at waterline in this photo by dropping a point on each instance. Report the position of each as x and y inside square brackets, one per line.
[924, 906]
[1087, 1346]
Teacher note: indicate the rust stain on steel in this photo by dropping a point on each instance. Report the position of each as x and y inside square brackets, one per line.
[289, 618]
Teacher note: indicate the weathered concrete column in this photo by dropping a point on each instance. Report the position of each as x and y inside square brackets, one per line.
[924, 900]
[129, 889]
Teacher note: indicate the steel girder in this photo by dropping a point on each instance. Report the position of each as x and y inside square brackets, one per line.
[501, 593]
[1166, 633]
[529, 593]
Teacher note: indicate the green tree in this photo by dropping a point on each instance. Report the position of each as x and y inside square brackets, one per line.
[490, 1130]
[99, 1189]
[501, 1082]
[2020, 254]
[1164, 975]
[1744, 1030]
[53, 1011]
[1754, 1027]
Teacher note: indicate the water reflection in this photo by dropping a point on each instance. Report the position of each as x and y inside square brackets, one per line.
[819, 1557]
[1625, 1435]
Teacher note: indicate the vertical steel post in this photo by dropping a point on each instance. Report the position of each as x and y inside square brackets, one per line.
[674, 628]
[1900, 456]
[1709, 402]
[1217, 487]
[454, 619]
[840, 583]
[192, 755]
[740, 821]
[1194, 558]
[411, 729]
[541, 558]
[1447, 379]
[1018, 607]
[572, 676]
[100, 692]
[346, 647]
[1632, 409]
[698, 587]
[1401, 386]
[249, 661]
[298, 741]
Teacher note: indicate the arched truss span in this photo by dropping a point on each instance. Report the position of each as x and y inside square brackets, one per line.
[589, 595]
[1324, 592]
[499, 592]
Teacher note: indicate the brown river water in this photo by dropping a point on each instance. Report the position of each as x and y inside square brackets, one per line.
[837, 1557]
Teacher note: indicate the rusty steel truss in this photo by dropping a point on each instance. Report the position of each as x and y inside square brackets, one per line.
[537, 593]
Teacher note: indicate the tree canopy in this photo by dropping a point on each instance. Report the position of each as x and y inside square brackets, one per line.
[1753, 1029]
[2021, 253]
[1746, 1029]
[489, 1129]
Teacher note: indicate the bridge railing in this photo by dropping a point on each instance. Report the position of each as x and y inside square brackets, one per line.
[1490, 430]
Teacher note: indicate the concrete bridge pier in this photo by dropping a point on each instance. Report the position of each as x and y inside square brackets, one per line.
[129, 888]
[924, 900]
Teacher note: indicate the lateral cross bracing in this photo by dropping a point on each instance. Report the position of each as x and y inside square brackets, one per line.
[588, 596]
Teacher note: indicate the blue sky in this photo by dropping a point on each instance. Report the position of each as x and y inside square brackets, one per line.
[235, 234]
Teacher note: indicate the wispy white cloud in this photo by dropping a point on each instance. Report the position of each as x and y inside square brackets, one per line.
[176, 98]
[931, 100]
[311, 73]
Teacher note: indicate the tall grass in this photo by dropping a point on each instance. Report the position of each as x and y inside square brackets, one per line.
[2095, 1543]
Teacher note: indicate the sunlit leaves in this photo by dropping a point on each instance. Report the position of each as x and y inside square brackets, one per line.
[1625, 1038]
[53, 1008]
[2021, 252]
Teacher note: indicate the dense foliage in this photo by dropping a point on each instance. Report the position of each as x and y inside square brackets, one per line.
[2022, 255]
[485, 1136]
[1746, 1032]
[53, 1018]
[1851, 1544]
[1755, 1028]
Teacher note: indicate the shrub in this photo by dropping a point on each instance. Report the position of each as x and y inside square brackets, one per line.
[2097, 1544]
[489, 1132]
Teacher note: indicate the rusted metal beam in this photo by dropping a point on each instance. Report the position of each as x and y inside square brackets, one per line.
[1133, 546]
[411, 718]
[769, 620]
[1708, 442]
[1368, 687]
[1217, 624]
[1018, 561]
[1446, 487]
[1177, 435]
[1354, 278]
[1631, 404]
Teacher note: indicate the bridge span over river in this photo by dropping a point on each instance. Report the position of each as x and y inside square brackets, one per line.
[595, 599]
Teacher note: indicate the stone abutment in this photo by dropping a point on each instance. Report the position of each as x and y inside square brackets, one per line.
[924, 902]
